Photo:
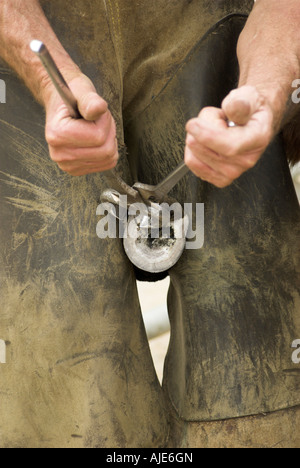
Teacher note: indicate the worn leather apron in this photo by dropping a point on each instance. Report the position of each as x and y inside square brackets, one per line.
[235, 303]
[78, 371]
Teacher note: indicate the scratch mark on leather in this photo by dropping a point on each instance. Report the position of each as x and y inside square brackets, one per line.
[79, 358]
[46, 205]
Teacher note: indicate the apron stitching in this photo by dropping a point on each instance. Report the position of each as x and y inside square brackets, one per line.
[119, 23]
[115, 37]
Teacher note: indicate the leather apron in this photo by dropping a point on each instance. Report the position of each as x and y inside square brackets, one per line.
[78, 370]
[234, 303]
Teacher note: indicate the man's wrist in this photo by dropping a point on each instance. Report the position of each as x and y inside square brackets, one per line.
[46, 87]
[275, 97]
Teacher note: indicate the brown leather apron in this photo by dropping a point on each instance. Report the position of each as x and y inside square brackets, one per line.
[234, 304]
[78, 370]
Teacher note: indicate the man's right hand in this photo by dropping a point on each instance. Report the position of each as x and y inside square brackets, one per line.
[86, 145]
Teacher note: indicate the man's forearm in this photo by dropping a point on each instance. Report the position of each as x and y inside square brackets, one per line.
[20, 22]
[269, 51]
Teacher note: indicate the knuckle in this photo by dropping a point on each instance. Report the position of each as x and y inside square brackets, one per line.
[232, 173]
[101, 139]
[58, 156]
[52, 137]
[206, 113]
[221, 185]
[223, 182]
[230, 151]
[191, 162]
[191, 141]
[266, 138]
[113, 164]
[111, 149]
[65, 168]
[111, 152]
[249, 163]
[55, 156]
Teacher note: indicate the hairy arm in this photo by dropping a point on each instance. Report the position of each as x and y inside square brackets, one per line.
[269, 54]
[81, 146]
[20, 22]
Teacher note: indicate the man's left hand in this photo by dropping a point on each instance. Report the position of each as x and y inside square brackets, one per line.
[220, 154]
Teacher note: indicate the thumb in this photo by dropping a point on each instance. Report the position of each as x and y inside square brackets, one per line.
[241, 104]
[90, 105]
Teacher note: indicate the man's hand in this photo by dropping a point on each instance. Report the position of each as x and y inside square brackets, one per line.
[220, 154]
[86, 145]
